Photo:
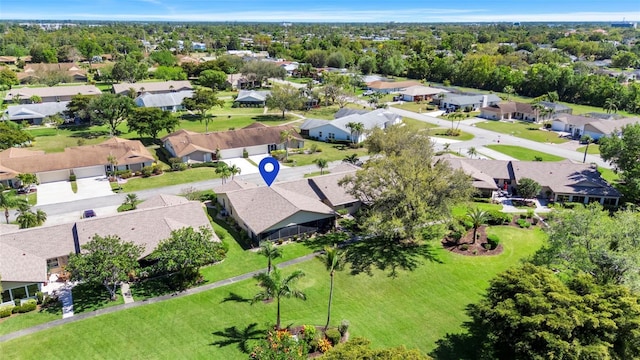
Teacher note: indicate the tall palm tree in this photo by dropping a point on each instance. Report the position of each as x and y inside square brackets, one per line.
[234, 170]
[472, 152]
[8, 201]
[478, 217]
[610, 106]
[333, 260]
[275, 285]
[588, 140]
[356, 128]
[285, 137]
[509, 90]
[270, 251]
[224, 171]
[322, 164]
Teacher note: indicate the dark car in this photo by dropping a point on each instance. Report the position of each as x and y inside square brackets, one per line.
[27, 189]
[88, 214]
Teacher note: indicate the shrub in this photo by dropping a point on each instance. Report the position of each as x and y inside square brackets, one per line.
[309, 332]
[125, 174]
[278, 154]
[343, 212]
[314, 345]
[313, 148]
[324, 345]
[495, 217]
[537, 158]
[344, 326]
[212, 164]
[147, 171]
[175, 163]
[530, 213]
[464, 247]
[27, 306]
[493, 241]
[333, 335]
[40, 297]
[523, 223]
[157, 168]
[487, 246]
[6, 311]
[245, 153]
[72, 177]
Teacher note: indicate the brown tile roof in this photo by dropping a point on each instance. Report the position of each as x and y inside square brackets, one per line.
[233, 185]
[126, 152]
[26, 93]
[575, 119]
[511, 107]
[609, 126]
[385, 85]
[185, 143]
[152, 87]
[163, 200]
[23, 253]
[480, 179]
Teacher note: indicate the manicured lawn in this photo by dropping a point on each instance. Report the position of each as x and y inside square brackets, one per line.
[461, 210]
[228, 109]
[594, 149]
[22, 321]
[609, 175]
[420, 107]
[169, 178]
[331, 152]
[441, 133]
[419, 124]
[524, 154]
[524, 130]
[326, 112]
[429, 301]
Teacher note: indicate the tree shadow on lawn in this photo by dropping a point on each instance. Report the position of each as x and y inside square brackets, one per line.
[89, 297]
[469, 345]
[269, 118]
[241, 337]
[90, 134]
[236, 298]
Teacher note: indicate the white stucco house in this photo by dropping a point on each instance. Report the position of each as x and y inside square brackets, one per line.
[337, 130]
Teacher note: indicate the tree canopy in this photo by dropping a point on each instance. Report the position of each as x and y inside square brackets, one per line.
[203, 100]
[528, 188]
[106, 261]
[214, 79]
[111, 109]
[285, 98]
[151, 121]
[12, 135]
[623, 152]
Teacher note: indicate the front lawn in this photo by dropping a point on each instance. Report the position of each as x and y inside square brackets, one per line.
[524, 154]
[418, 107]
[609, 175]
[442, 133]
[523, 130]
[461, 210]
[418, 124]
[429, 301]
[594, 149]
[169, 178]
[327, 112]
[331, 152]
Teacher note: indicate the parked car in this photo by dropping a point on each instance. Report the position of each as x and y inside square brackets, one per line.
[88, 214]
[368, 93]
[27, 189]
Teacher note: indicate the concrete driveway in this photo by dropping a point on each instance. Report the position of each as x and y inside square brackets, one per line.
[258, 158]
[245, 166]
[60, 191]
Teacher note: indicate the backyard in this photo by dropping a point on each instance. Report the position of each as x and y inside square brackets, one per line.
[524, 154]
[429, 301]
[523, 130]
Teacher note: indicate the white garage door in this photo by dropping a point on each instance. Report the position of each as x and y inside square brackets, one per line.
[51, 176]
[90, 171]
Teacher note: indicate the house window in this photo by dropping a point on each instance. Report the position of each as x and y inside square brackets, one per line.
[52, 263]
[6, 296]
[32, 290]
[19, 293]
[563, 198]
[578, 199]
[609, 201]
[331, 136]
[320, 134]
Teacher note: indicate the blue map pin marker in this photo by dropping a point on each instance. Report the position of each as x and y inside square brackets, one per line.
[269, 168]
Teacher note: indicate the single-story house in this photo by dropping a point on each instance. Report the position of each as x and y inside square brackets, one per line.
[290, 208]
[600, 128]
[252, 98]
[50, 94]
[337, 130]
[573, 124]
[508, 111]
[254, 139]
[9, 60]
[82, 161]
[386, 87]
[420, 93]
[159, 87]
[36, 71]
[34, 113]
[165, 101]
[562, 181]
[454, 102]
[555, 108]
[27, 262]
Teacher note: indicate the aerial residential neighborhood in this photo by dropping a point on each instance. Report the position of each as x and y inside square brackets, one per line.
[332, 181]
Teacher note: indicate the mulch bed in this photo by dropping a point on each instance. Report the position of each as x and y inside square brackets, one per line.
[473, 248]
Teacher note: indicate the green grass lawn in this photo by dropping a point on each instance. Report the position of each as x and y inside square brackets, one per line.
[524, 130]
[418, 124]
[429, 301]
[524, 154]
[169, 178]
[594, 149]
[21, 321]
[461, 210]
[316, 173]
[441, 133]
[228, 108]
[331, 152]
[419, 107]
[609, 175]
[326, 112]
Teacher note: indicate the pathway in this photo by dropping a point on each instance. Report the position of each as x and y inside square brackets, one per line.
[112, 309]
[126, 293]
[65, 296]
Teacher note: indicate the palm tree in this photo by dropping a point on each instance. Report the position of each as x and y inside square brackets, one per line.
[271, 252]
[8, 201]
[131, 200]
[333, 260]
[285, 137]
[275, 285]
[224, 171]
[588, 140]
[351, 159]
[478, 217]
[610, 106]
[234, 170]
[26, 219]
[356, 128]
[321, 163]
[41, 217]
[509, 90]
[472, 152]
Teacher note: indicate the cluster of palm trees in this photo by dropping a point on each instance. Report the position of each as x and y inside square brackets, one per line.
[357, 128]
[227, 171]
[27, 218]
[275, 285]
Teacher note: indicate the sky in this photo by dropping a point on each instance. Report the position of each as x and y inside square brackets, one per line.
[323, 10]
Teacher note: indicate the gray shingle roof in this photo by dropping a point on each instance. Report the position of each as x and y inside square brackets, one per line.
[252, 96]
[463, 100]
[163, 100]
[26, 92]
[380, 118]
[153, 87]
[35, 111]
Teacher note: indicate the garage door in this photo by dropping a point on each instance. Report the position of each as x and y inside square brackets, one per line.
[51, 176]
[90, 171]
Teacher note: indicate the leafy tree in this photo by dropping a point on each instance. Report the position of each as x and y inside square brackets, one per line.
[587, 239]
[8, 201]
[105, 260]
[528, 188]
[203, 100]
[55, 120]
[270, 251]
[336, 60]
[333, 260]
[478, 218]
[78, 107]
[263, 70]
[214, 79]
[509, 90]
[185, 252]
[625, 59]
[12, 135]
[360, 348]
[321, 163]
[163, 58]
[317, 58]
[89, 48]
[8, 78]
[528, 313]
[285, 137]
[27, 179]
[129, 69]
[151, 121]
[406, 190]
[367, 64]
[623, 152]
[111, 109]
[170, 73]
[285, 98]
[277, 286]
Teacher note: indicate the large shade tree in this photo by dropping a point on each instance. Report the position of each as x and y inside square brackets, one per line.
[623, 152]
[151, 121]
[111, 109]
[285, 98]
[105, 261]
[203, 100]
[12, 135]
